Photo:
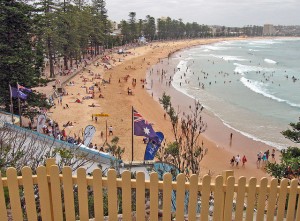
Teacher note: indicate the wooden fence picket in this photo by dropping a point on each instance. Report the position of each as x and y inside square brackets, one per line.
[240, 198]
[298, 208]
[68, 193]
[3, 212]
[218, 199]
[205, 195]
[272, 200]
[29, 194]
[42, 179]
[261, 203]
[167, 191]
[290, 216]
[56, 193]
[153, 197]
[98, 195]
[228, 199]
[251, 199]
[14, 194]
[193, 197]
[180, 196]
[126, 195]
[82, 195]
[140, 196]
[112, 195]
[282, 199]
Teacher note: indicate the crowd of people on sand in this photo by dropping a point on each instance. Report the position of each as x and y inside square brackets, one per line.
[263, 158]
[52, 129]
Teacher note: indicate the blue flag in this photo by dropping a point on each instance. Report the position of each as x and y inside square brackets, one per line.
[142, 127]
[153, 146]
[24, 89]
[17, 94]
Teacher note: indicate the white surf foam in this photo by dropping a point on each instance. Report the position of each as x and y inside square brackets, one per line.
[214, 47]
[253, 49]
[273, 144]
[259, 88]
[270, 61]
[228, 57]
[241, 68]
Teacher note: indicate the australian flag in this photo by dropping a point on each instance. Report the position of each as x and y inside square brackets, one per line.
[24, 89]
[142, 127]
[14, 92]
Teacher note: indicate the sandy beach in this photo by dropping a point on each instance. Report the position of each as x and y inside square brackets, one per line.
[117, 103]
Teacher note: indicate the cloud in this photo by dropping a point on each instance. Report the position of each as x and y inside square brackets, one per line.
[222, 12]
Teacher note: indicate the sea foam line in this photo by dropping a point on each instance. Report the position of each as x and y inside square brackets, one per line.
[270, 61]
[257, 87]
[228, 57]
[276, 145]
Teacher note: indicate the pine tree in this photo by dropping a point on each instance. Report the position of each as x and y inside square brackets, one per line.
[18, 61]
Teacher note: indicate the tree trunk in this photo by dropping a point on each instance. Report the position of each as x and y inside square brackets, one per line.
[50, 58]
[66, 62]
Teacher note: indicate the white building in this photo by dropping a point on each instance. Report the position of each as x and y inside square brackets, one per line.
[269, 30]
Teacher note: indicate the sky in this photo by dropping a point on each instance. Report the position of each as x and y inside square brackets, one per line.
[232, 13]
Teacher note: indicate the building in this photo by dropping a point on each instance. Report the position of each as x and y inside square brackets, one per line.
[268, 30]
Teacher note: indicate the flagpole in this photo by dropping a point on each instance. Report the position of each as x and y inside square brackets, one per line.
[132, 123]
[19, 104]
[11, 105]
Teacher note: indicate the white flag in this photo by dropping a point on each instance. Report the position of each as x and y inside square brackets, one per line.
[89, 132]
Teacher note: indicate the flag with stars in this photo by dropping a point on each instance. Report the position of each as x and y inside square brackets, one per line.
[141, 126]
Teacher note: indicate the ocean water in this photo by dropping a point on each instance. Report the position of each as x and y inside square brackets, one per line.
[253, 86]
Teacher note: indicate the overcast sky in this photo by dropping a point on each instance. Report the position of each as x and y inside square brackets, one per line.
[211, 12]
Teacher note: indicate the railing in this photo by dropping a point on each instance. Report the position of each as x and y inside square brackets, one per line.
[53, 196]
[95, 155]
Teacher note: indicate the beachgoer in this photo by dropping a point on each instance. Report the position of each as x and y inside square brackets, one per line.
[264, 157]
[110, 130]
[244, 160]
[232, 161]
[96, 119]
[259, 156]
[273, 154]
[237, 160]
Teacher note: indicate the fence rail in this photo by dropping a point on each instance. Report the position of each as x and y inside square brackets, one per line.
[51, 195]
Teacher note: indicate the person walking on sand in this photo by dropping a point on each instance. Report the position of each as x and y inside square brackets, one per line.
[237, 160]
[259, 156]
[244, 160]
[232, 161]
[273, 155]
[110, 130]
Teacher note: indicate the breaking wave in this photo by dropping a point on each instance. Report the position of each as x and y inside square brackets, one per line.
[258, 87]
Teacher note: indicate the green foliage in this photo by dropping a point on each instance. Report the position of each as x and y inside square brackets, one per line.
[165, 100]
[18, 62]
[290, 157]
[172, 149]
[294, 134]
[114, 149]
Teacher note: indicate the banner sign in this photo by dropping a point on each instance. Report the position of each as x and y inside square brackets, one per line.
[89, 132]
[101, 115]
[40, 123]
[153, 146]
